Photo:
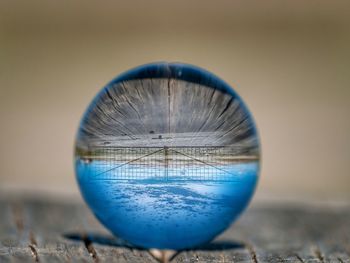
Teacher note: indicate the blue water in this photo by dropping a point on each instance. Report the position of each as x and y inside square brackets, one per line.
[173, 212]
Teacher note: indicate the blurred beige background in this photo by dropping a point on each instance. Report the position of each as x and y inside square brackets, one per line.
[289, 60]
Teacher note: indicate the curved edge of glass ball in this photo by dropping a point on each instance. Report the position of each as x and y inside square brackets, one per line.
[184, 72]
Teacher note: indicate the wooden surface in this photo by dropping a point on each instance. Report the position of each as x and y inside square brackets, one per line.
[39, 230]
[157, 112]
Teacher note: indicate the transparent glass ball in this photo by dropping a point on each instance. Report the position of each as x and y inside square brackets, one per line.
[167, 156]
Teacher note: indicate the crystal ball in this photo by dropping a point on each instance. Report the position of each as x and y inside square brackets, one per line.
[167, 156]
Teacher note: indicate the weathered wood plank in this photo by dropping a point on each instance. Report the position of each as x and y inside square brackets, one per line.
[166, 112]
[294, 233]
[48, 222]
[219, 255]
[14, 238]
[46, 231]
[107, 248]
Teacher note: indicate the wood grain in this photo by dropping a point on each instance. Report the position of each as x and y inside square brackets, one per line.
[166, 112]
[33, 230]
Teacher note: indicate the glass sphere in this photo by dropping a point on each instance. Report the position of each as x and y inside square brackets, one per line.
[167, 156]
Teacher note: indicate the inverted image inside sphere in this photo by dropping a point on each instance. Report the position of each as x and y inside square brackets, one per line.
[167, 156]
